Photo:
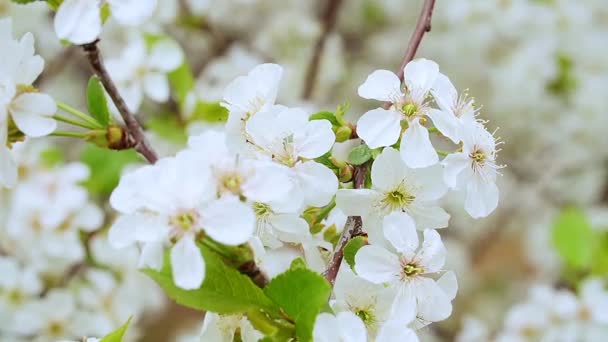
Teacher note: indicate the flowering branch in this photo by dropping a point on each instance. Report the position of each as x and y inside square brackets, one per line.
[329, 21]
[352, 228]
[354, 223]
[135, 131]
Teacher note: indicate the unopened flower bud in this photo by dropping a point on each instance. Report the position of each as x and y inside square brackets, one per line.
[343, 133]
[345, 174]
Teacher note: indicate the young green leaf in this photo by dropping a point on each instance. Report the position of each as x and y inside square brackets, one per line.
[97, 103]
[182, 82]
[118, 334]
[359, 155]
[312, 291]
[224, 290]
[106, 167]
[325, 115]
[573, 238]
[351, 249]
[209, 112]
[167, 127]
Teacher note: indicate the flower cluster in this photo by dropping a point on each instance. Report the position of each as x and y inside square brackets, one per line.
[60, 277]
[261, 181]
[550, 314]
[23, 110]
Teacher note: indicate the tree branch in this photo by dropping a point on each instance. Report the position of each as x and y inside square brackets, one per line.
[328, 21]
[422, 26]
[354, 223]
[134, 129]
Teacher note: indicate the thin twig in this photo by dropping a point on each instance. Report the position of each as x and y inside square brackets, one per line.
[354, 223]
[328, 21]
[422, 26]
[133, 127]
[352, 228]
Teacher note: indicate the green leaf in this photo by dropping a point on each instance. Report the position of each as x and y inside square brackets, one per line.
[97, 103]
[359, 155]
[23, 2]
[297, 263]
[168, 127]
[325, 115]
[118, 334]
[209, 112]
[105, 12]
[224, 290]
[599, 266]
[51, 157]
[106, 167]
[182, 82]
[302, 294]
[573, 238]
[351, 249]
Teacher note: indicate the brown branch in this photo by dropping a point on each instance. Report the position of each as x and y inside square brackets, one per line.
[352, 228]
[328, 21]
[354, 223]
[422, 26]
[133, 127]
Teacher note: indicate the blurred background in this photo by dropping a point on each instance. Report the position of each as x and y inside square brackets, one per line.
[536, 68]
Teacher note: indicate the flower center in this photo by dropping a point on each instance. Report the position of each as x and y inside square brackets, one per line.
[56, 328]
[184, 221]
[409, 109]
[478, 157]
[410, 269]
[261, 209]
[231, 182]
[284, 153]
[366, 316]
[398, 199]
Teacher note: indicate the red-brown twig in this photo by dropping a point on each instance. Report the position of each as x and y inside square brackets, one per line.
[134, 129]
[354, 223]
[329, 20]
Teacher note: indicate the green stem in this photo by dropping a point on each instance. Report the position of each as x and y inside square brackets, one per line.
[78, 114]
[79, 135]
[74, 122]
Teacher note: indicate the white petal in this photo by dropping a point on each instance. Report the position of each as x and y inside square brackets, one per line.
[376, 264]
[270, 182]
[419, 76]
[444, 93]
[351, 327]
[432, 253]
[267, 78]
[447, 123]
[400, 231]
[429, 216]
[156, 86]
[395, 331]
[325, 328]
[482, 197]
[290, 228]
[449, 284]
[403, 308]
[229, 221]
[32, 112]
[316, 139]
[379, 127]
[428, 183]
[128, 229]
[355, 202]
[8, 167]
[187, 264]
[433, 303]
[382, 85]
[388, 170]
[454, 164]
[152, 255]
[166, 56]
[132, 12]
[78, 21]
[318, 183]
[416, 148]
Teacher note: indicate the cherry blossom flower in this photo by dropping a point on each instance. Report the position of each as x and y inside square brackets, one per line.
[407, 266]
[474, 170]
[382, 127]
